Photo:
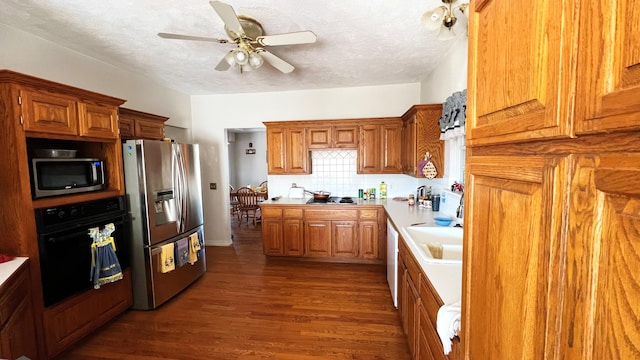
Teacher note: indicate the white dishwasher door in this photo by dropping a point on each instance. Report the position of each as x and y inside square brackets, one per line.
[392, 262]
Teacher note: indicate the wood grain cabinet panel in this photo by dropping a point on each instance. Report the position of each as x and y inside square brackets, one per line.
[287, 151]
[521, 70]
[98, 120]
[317, 238]
[380, 147]
[602, 312]
[49, 113]
[421, 134]
[136, 124]
[344, 237]
[293, 237]
[17, 320]
[512, 243]
[272, 236]
[608, 66]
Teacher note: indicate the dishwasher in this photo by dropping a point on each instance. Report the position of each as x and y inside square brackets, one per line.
[392, 261]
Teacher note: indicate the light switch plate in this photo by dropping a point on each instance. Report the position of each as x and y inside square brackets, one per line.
[213, 186]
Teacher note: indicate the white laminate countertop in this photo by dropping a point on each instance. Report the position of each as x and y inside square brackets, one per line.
[445, 278]
[8, 268]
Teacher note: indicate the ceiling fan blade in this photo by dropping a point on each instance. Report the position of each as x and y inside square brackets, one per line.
[228, 16]
[276, 62]
[300, 37]
[223, 65]
[189, 37]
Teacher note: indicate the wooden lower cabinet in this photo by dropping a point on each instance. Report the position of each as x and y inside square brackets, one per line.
[332, 232]
[70, 321]
[17, 321]
[418, 305]
[282, 231]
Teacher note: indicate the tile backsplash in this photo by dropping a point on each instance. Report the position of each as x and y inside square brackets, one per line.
[336, 171]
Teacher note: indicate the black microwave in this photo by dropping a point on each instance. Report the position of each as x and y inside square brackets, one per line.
[62, 176]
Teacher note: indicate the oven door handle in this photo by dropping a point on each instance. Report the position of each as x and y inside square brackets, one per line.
[74, 235]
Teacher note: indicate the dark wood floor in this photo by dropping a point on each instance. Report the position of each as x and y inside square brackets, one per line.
[248, 306]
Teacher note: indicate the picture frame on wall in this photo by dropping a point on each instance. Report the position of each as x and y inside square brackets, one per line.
[250, 151]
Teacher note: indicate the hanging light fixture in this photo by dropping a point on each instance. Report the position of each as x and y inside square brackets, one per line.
[445, 18]
[245, 57]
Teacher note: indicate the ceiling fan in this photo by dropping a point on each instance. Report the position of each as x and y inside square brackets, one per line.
[248, 35]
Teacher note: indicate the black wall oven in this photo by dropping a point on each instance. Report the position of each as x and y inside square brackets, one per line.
[65, 246]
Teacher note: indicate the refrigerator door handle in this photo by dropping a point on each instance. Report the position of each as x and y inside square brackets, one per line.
[180, 176]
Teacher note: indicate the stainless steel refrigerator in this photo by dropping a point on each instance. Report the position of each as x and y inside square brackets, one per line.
[164, 192]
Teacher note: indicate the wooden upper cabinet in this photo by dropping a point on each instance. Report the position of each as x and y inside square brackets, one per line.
[330, 137]
[275, 150]
[601, 320]
[608, 86]
[513, 248]
[49, 113]
[380, 147]
[287, 151]
[421, 134]
[98, 120]
[135, 124]
[521, 70]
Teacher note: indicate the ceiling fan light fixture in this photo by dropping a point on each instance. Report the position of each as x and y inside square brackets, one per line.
[445, 17]
[241, 56]
[255, 60]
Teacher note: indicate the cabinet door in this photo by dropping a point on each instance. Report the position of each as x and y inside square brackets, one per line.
[369, 150]
[19, 333]
[427, 349]
[275, 150]
[127, 128]
[513, 267]
[413, 301]
[99, 121]
[368, 239]
[272, 236]
[344, 137]
[409, 146]
[49, 113]
[601, 320]
[521, 70]
[297, 154]
[344, 238]
[317, 238]
[145, 129]
[391, 142]
[608, 66]
[293, 236]
[428, 137]
[319, 138]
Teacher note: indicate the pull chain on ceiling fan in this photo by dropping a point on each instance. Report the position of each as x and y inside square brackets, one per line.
[248, 35]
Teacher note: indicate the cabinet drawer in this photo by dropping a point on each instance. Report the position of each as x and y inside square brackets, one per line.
[292, 213]
[413, 268]
[368, 214]
[14, 292]
[430, 300]
[269, 212]
[331, 214]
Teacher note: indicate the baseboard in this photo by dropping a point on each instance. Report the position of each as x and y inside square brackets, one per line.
[227, 242]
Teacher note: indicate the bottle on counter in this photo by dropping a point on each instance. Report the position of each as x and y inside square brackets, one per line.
[383, 190]
[411, 200]
[372, 193]
[365, 195]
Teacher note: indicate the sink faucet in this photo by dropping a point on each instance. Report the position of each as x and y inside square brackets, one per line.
[460, 211]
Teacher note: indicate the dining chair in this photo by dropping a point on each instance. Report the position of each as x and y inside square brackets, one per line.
[264, 184]
[248, 207]
[233, 202]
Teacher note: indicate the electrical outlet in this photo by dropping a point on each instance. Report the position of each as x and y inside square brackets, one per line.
[213, 186]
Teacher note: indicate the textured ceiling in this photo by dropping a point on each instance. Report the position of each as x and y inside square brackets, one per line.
[360, 42]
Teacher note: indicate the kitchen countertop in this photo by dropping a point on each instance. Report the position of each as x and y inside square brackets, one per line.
[8, 268]
[445, 278]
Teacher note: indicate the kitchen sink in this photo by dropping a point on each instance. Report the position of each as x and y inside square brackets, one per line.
[436, 244]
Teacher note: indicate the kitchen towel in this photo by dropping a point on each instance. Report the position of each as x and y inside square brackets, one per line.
[194, 248]
[448, 324]
[182, 251]
[167, 260]
[105, 267]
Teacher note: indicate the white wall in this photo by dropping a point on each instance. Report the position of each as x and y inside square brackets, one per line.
[213, 113]
[25, 53]
[248, 169]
